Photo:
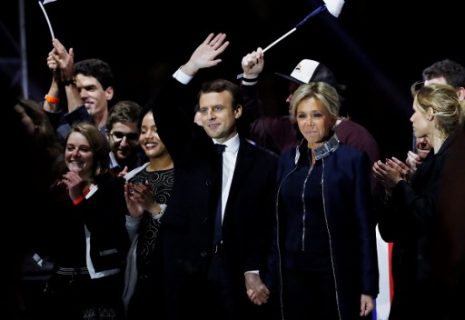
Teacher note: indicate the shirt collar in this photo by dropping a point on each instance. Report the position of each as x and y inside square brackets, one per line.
[232, 145]
[113, 162]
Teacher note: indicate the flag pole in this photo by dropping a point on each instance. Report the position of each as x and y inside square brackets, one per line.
[24, 71]
[48, 20]
[301, 23]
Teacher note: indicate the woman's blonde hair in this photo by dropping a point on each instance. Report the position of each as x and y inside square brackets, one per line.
[321, 91]
[444, 103]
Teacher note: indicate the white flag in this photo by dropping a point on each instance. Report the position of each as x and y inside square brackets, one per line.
[41, 4]
[334, 6]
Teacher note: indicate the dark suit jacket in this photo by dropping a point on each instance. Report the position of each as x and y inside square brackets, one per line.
[187, 226]
[409, 219]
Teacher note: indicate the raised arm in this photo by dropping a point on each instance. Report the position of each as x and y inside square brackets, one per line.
[205, 55]
[65, 62]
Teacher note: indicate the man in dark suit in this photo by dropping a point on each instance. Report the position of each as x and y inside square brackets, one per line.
[214, 269]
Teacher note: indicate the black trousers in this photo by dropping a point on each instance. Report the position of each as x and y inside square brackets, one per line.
[309, 295]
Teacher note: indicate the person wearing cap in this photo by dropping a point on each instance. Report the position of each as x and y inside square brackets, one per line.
[325, 259]
[278, 133]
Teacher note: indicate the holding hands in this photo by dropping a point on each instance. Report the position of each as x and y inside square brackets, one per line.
[366, 305]
[257, 291]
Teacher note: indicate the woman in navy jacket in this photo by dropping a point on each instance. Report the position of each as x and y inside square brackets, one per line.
[326, 231]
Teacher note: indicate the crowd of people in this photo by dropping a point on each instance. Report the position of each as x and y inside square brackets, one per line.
[201, 207]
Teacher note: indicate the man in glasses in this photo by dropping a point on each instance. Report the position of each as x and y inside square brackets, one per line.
[123, 136]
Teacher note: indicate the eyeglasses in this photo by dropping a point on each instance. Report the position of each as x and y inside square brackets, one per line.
[131, 136]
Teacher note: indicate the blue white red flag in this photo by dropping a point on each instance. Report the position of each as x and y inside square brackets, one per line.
[386, 290]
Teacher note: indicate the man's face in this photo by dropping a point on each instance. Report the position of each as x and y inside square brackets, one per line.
[123, 138]
[217, 115]
[94, 97]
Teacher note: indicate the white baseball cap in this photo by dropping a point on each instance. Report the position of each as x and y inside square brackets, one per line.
[308, 70]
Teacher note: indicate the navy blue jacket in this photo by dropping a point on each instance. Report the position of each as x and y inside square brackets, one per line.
[350, 221]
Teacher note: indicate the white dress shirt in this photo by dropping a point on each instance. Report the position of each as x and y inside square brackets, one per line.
[229, 163]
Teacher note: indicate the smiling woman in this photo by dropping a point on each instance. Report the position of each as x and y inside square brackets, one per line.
[88, 240]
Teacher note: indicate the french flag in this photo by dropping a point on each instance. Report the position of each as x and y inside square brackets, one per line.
[386, 287]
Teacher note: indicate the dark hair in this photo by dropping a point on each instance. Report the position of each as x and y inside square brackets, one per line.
[125, 111]
[96, 68]
[453, 72]
[220, 85]
[44, 136]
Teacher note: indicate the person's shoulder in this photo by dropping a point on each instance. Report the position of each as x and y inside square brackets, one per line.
[347, 148]
[260, 149]
[131, 174]
[350, 152]
[353, 133]
[348, 124]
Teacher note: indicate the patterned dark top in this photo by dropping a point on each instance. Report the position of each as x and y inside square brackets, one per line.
[162, 184]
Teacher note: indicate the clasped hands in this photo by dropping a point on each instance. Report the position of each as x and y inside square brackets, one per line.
[257, 291]
[390, 172]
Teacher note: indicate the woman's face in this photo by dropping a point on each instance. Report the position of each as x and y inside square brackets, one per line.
[420, 124]
[79, 157]
[149, 139]
[314, 121]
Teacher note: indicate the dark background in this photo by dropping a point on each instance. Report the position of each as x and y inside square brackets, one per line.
[376, 48]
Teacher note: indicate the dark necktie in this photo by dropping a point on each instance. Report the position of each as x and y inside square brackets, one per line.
[217, 233]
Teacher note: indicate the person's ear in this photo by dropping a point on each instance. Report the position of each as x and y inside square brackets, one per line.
[461, 93]
[238, 112]
[430, 114]
[109, 92]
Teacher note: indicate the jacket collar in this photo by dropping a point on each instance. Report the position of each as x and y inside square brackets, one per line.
[321, 152]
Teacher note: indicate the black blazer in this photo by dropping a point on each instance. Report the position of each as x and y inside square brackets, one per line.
[187, 226]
